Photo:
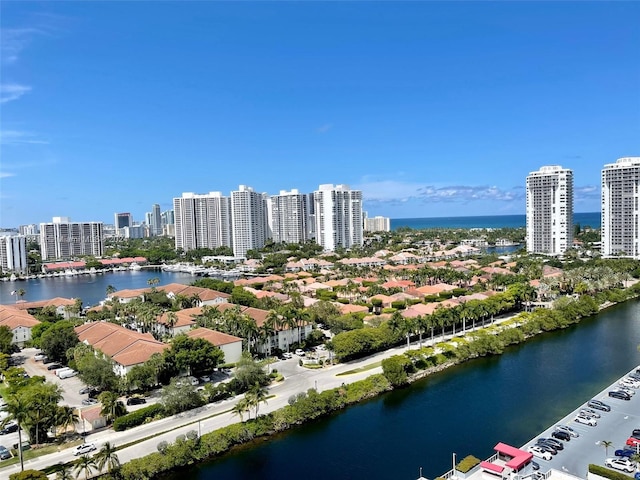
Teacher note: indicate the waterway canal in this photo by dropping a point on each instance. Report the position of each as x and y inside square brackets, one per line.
[467, 410]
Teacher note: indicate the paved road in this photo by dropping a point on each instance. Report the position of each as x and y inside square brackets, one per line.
[614, 426]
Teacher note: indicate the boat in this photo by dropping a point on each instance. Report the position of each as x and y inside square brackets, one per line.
[135, 266]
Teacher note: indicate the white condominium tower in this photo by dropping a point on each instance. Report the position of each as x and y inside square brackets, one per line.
[288, 217]
[619, 229]
[62, 239]
[338, 215]
[550, 210]
[202, 221]
[249, 220]
[13, 253]
[377, 224]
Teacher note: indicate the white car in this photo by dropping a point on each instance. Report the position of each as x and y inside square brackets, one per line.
[588, 412]
[84, 448]
[618, 463]
[629, 391]
[299, 352]
[540, 453]
[592, 422]
[629, 382]
[569, 430]
[287, 355]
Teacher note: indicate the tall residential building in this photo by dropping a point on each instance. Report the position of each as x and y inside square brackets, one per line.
[619, 228]
[31, 229]
[155, 222]
[122, 220]
[249, 220]
[13, 253]
[377, 224]
[288, 217]
[550, 210]
[202, 221]
[62, 239]
[338, 216]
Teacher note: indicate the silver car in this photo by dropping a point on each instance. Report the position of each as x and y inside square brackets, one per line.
[567, 429]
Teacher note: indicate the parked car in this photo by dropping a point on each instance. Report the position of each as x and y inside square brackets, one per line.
[287, 355]
[4, 453]
[9, 428]
[535, 465]
[299, 352]
[633, 441]
[627, 390]
[619, 394]
[539, 452]
[618, 463]
[47, 360]
[54, 366]
[598, 405]
[567, 429]
[561, 435]
[89, 401]
[547, 448]
[84, 448]
[85, 390]
[625, 452]
[630, 382]
[136, 401]
[39, 357]
[205, 379]
[321, 348]
[592, 422]
[635, 432]
[554, 443]
[590, 412]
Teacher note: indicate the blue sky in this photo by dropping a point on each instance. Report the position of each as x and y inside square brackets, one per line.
[432, 109]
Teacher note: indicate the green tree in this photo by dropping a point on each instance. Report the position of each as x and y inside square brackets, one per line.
[255, 396]
[18, 409]
[112, 407]
[395, 370]
[110, 290]
[66, 417]
[606, 444]
[196, 356]
[64, 472]
[6, 340]
[28, 475]
[85, 464]
[94, 369]
[180, 396]
[58, 339]
[247, 374]
[240, 296]
[108, 457]
[240, 408]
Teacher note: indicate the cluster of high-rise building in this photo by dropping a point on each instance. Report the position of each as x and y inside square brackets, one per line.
[245, 220]
[549, 208]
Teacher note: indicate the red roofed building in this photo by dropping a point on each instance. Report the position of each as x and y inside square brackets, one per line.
[19, 322]
[231, 346]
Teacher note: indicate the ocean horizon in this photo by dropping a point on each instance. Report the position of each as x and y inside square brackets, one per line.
[591, 219]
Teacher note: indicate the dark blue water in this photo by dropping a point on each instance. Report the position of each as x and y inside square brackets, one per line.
[591, 219]
[466, 410]
[90, 288]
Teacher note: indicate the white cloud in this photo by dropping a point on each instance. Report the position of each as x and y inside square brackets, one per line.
[17, 137]
[12, 91]
[324, 128]
[394, 191]
[586, 193]
[6, 175]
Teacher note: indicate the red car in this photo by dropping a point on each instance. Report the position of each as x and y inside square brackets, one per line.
[633, 441]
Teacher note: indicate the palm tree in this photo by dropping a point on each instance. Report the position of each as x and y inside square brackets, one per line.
[112, 407]
[255, 396]
[18, 408]
[606, 444]
[20, 293]
[64, 472]
[110, 290]
[107, 456]
[85, 464]
[240, 408]
[172, 319]
[66, 417]
[152, 282]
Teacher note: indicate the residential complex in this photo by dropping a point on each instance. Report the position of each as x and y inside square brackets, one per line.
[122, 220]
[549, 210]
[377, 224]
[247, 219]
[63, 238]
[619, 224]
[338, 216]
[202, 221]
[13, 253]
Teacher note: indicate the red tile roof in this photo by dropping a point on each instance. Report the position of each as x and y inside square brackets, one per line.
[213, 336]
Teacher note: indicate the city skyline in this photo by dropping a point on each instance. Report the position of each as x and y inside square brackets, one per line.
[427, 116]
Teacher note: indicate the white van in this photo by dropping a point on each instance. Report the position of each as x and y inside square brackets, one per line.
[68, 374]
[62, 371]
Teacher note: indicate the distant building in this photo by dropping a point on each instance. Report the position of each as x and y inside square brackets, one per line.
[338, 216]
[63, 239]
[13, 253]
[27, 230]
[202, 221]
[620, 191]
[155, 221]
[549, 210]
[249, 220]
[377, 224]
[134, 231]
[288, 219]
[122, 220]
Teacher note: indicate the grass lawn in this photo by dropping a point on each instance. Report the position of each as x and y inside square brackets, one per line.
[371, 366]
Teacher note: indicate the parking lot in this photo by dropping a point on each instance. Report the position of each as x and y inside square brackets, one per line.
[614, 426]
